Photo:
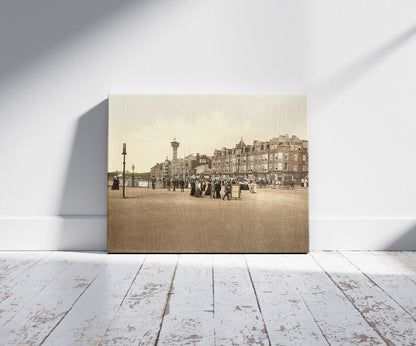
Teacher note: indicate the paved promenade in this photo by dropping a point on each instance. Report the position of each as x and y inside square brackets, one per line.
[149, 220]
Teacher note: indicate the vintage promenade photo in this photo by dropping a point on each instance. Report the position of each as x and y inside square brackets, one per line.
[208, 174]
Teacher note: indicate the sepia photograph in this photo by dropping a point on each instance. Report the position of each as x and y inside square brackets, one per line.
[285, 216]
[208, 174]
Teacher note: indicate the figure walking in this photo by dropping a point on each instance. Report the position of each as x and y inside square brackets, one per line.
[193, 190]
[227, 191]
[218, 189]
[198, 192]
[208, 189]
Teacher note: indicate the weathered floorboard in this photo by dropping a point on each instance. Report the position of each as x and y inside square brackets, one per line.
[391, 322]
[12, 264]
[189, 315]
[64, 298]
[403, 262]
[88, 320]
[138, 319]
[32, 324]
[411, 255]
[399, 287]
[287, 317]
[15, 294]
[339, 321]
[237, 317]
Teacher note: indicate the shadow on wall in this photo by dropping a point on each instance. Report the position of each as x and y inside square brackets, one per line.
[325, 91]
[84, 198]
[29, 24]
[406, 242]
[84, 190]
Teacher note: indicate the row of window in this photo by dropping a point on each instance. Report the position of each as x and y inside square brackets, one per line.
[278, 156]
[296, 147]
[276, 167]
[264, 158]
[292, 146]
[257, 148]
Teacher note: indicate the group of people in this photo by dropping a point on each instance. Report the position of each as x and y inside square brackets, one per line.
[199, 187]
[174, 184]
[210, 188]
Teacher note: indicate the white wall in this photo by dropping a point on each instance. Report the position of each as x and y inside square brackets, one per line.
[60, 59]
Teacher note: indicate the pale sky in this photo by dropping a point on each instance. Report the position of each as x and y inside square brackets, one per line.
[200, 123]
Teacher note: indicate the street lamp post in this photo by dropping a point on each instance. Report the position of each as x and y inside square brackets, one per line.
[238, 165]
[132, 178]
[124, 153]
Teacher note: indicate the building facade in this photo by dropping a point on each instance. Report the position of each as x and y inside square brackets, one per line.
[282, 158]
[182, 168]
[157, 171]
[186, 167]
[279, 159]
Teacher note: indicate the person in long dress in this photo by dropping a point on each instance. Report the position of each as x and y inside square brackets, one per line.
[227, 191]
[198, 192]
[218, 190]
[208, 189]
[193, 190]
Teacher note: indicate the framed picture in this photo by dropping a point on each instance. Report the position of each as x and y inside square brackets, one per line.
[208, 174]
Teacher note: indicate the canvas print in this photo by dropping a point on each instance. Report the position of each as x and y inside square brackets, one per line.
[208, 174]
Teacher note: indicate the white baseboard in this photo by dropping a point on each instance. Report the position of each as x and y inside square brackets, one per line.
[90, 233]
[362, 234]
[54, 233]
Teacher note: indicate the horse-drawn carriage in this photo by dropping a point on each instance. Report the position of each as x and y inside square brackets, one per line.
[287, 184]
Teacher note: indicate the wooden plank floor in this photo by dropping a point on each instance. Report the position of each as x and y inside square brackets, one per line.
[91, 298]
